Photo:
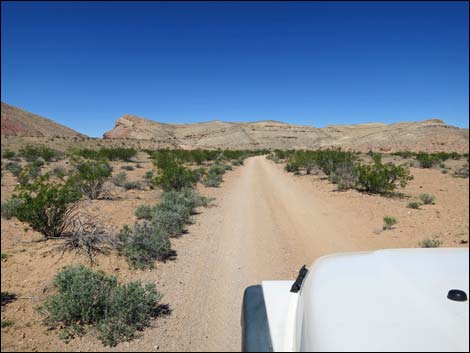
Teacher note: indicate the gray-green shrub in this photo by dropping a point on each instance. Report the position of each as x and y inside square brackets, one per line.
[87, 298]
[427, 199]
[10, 207]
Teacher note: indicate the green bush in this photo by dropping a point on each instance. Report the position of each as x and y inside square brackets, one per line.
[46, 207]
[389, 222]
[414, 205]
[381, 178]
[427, 160]
[29, 173]
[31, 153]
[175, 177]
[127, 167]
[120, 179]
[10, 207]
[131, 185]
[7, 323]
[90, 176]
[427, 199]
[8, 154]
[430, 243]
[14, 168]
[143, 244]
[88, 298]
[111, 154]
[344, 176]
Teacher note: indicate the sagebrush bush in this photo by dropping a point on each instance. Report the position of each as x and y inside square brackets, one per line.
[143, 244]
[120, 179]
[131, 185]
[89, 298]
[90, 176]
[414, 205]
[427, 199]
[144, 212]
[430, 243]
[14, 168]
[381, 178]
[46, 206]
[389, 222]
[462, 172]
[10, 207]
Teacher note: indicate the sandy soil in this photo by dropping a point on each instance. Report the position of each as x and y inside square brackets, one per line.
[264, 224]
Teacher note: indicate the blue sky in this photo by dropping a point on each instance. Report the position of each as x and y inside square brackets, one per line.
[319, 63]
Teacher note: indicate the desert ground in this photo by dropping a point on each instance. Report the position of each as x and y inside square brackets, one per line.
[263, 224]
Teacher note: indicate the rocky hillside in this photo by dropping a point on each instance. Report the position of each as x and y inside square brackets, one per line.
[18, 122]
[429, 135]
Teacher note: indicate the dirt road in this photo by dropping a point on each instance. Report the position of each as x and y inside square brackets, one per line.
[265, 226]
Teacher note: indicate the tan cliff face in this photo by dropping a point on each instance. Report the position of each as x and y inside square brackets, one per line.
[429, 135]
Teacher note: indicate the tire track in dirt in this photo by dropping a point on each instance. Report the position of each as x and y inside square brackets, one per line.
[264, 226]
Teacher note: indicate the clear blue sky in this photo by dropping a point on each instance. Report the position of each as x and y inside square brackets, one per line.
[318, 63]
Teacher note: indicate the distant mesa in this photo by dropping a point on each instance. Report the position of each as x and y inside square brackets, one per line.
[130, 130]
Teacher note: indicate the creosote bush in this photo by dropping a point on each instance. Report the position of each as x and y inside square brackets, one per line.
[389, 222]
[90, 176]
[46, 206]
[381, 178]
[174, 176]
[90, 299]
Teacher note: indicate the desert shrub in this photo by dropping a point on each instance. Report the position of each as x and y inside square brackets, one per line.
[175, 177]
[89, 298]
[8, 154]
[462, 172]
[328, 160]
[87, 237]
[10, 207]
[14, 168]
[427, 160]
[29, 173]
[292, 167]
[112, 154]
[4, 256]
[131, 185]
[143, 244]
[175, 209]
[414, 205]
[389, 222]
[213, 180]
[47, 207]
[7, 323]
[427, 199]
[430, 243]
[119, 179]
[381, 178]
[31, 153]
[7, 298]
[127, 167]
[148, 175]
[59, 172]
[90, 176]
[344, 176]
[144, 212]
[237, 162]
